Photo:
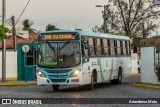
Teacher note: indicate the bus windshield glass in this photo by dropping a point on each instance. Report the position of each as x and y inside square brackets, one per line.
[61, 54]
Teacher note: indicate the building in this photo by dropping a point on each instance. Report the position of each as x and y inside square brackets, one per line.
[19, 65]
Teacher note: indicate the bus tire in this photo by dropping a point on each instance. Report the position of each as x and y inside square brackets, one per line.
[55, 87]
[91, 85]
[119, 79]
[93, 80]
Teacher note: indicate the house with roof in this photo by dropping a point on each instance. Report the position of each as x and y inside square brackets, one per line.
[20, 65]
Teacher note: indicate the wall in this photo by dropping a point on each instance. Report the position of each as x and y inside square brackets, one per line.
[134, 60]
[11, 64]
[147, 66]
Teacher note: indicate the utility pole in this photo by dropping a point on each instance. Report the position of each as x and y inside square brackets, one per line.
[105, 7]
[4, 42]
[104, 16]
[14, 33]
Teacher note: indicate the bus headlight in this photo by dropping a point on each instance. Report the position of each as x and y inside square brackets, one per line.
[40, 74]
[76, 73]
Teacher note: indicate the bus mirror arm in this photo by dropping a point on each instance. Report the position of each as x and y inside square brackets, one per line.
[85, 59]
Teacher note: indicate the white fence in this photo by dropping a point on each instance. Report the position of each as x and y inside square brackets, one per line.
[11, 64]
[147, 64]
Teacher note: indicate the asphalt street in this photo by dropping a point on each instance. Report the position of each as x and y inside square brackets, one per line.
[103, 90]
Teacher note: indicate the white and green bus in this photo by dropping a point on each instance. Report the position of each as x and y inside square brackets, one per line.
[75, 57]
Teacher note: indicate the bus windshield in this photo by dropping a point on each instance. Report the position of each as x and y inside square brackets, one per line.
[61, 54]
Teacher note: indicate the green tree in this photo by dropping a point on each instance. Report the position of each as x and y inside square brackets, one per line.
[27, 25]
[50, 27]
[97, 29]
[3, 32]
[135, 17]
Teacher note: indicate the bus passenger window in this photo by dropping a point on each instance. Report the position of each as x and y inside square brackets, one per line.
[112, 47]
[91, 47]
[129, 47]
[109, 48]
[118, 47]
[85, 49]
[124, 48]
[105, 47]
[99, 47]
[126, 45]
[115, 47]
[121, 45]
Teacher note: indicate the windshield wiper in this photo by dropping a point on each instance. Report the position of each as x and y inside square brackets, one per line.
[65, 43]
[53, 49]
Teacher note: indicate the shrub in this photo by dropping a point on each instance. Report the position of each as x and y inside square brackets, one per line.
[158, 71]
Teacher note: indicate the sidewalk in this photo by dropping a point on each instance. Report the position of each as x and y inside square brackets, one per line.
[134, 74]
[17, 83]
[138, 84]
[146, 85]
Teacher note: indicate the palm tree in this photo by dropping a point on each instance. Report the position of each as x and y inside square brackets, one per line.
[50, 27]
[27, 25]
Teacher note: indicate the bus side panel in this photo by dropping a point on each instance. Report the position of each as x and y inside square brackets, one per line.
[114, 65]
[88, 68]
[124, 63]
[107, 66]
[86, 71]
[127, 66]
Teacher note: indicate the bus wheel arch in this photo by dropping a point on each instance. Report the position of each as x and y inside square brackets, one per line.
[94, 75]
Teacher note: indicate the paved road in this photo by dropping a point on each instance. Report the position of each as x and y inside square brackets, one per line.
[103, 90]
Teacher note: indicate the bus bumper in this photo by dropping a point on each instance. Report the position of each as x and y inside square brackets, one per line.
[59, 81]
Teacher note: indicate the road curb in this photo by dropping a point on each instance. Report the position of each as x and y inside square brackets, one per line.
[146, 85]
[134, 75]
[18, 83]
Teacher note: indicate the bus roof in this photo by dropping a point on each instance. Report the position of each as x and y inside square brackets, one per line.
[91, 34]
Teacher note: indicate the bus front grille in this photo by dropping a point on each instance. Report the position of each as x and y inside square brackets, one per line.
[58, 80]
[57, 71]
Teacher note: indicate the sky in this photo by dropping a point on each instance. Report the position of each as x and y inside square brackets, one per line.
[65, 14]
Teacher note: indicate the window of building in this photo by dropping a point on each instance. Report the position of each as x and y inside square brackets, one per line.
[30, 60]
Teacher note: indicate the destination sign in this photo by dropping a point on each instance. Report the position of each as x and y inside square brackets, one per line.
[58, 36]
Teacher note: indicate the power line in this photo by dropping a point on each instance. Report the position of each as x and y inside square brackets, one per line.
[23, 11]
[7, 22]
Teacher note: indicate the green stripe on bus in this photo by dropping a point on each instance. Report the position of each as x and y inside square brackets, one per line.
[100, 67]
[49, 63]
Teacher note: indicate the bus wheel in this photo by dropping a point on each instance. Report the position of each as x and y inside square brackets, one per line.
[91, 85]
[55, 87]
[119, 79]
